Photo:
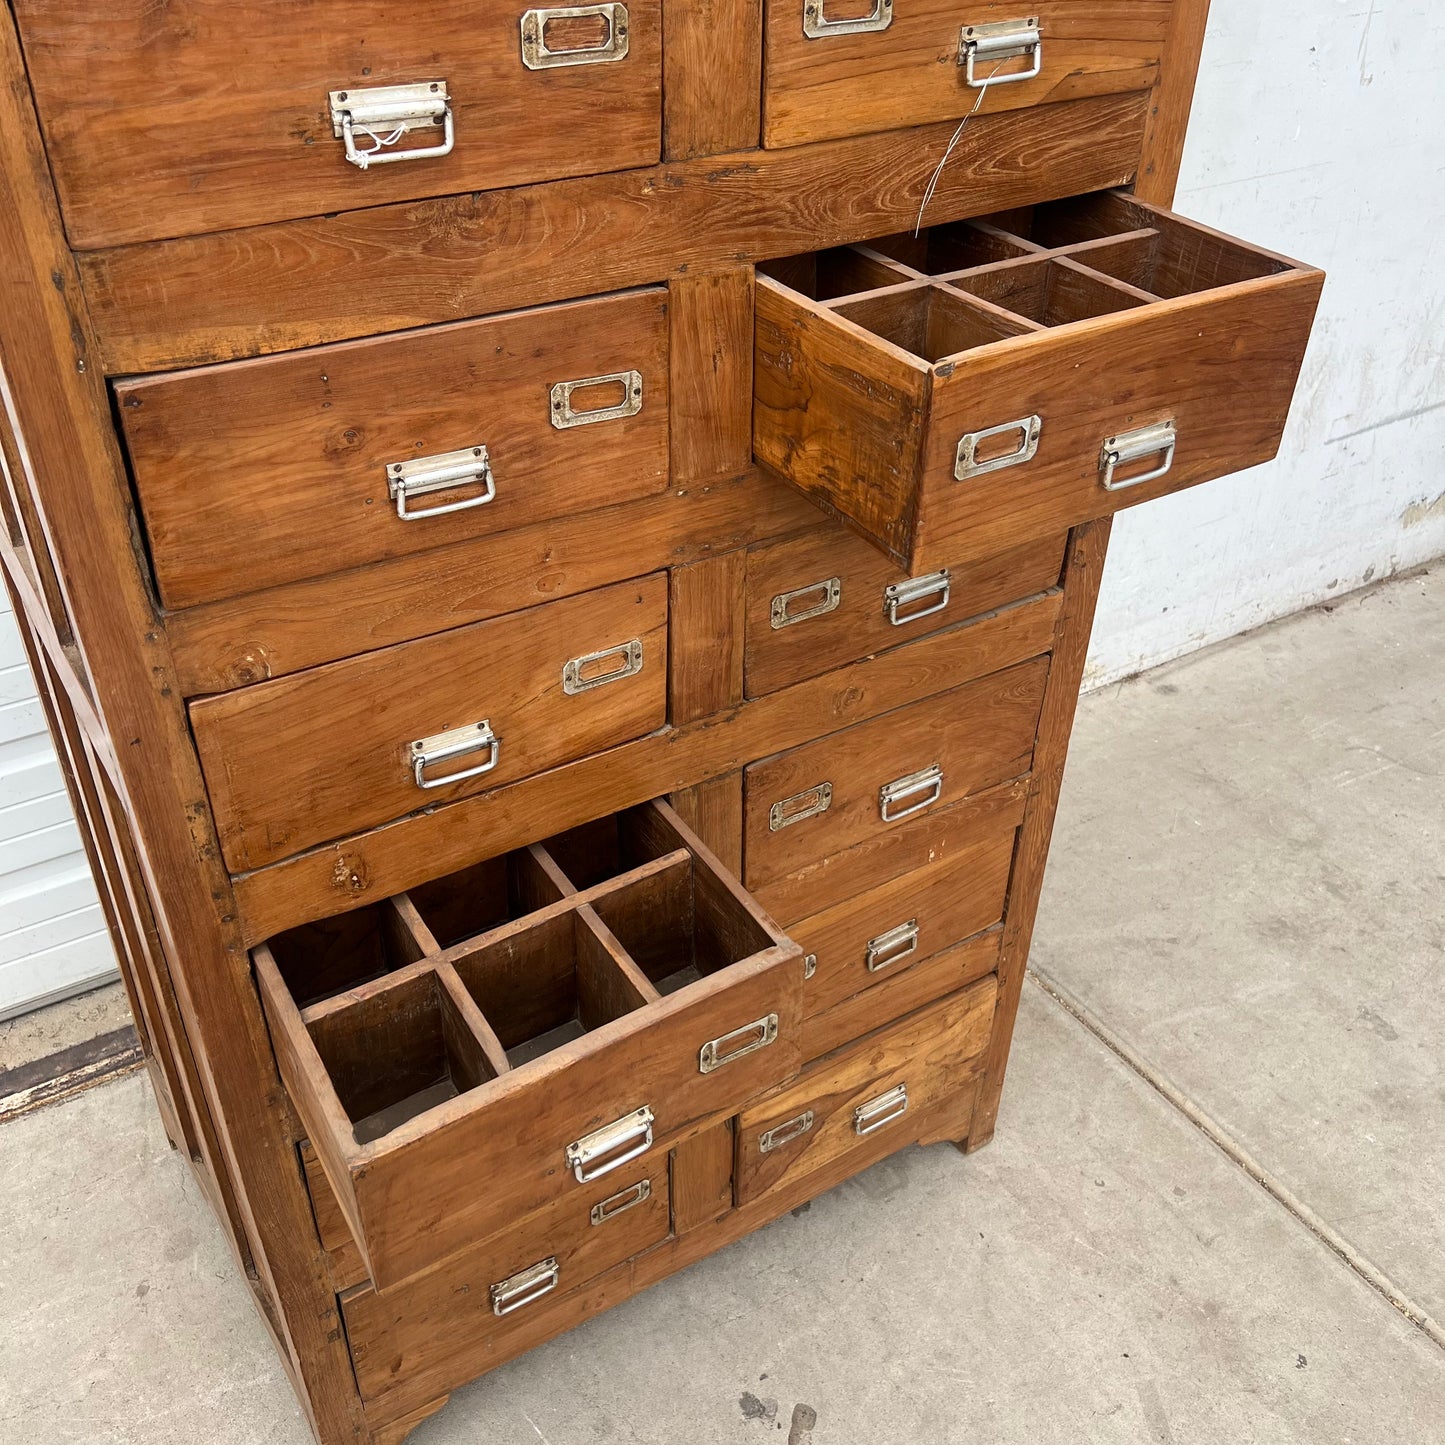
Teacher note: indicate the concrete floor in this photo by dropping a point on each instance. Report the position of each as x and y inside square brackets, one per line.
[1245, 900]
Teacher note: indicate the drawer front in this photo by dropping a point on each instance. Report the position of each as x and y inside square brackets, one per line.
[556, 1045]
[864, 1101]
[294, 762]
[319, 461]
[1021, 375]
[827, 598]
[869, 939]
[204, 116]
[847, 67]
[842, 790]
[439, 1324]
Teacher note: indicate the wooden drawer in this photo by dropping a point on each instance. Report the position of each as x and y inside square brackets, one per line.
[571, 1031]
[954, 395]
[202, 115]
[846, 67]
[871, 938]
[296, 761]
[443, 1320]
[863, 1102]
[321, 460]
[826, 598]
[842, 790]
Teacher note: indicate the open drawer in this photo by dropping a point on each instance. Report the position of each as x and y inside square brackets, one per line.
[954, 394]
[464, 1054]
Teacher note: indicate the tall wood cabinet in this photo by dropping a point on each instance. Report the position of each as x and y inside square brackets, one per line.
[559, 545]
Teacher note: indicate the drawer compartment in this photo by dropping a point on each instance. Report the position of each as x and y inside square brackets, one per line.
[439, 1326]
[847, 788]
[578, 1030]
[846, 67]
[827, 598]
[1014, 377]
[202, 116]
[299, 760]
[864, 1101]
[869, 939]
[261, 472]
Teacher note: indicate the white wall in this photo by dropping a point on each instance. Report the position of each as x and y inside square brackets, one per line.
[52, 936]
[1318, 131]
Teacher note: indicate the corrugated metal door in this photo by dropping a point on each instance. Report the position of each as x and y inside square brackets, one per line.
[52, 936]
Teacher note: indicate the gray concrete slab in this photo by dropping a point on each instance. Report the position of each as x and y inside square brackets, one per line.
[1248, 885]
[1101, 1273]
[47, 1031]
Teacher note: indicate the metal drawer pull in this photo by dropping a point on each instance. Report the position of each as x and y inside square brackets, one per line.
[926, 785]
[771, 1139]
[575, 679]
[828, 592]
[880, 1111]
[966, 463]
[810, 965]
[611, 1146]
[538, 55]
[892, 947]
[754, 1036]
[817, 26]
[469, 467]
[564, 416]
[457, 743]
[525, 1286]
[1133, 446]
[622, 1201]
[1005, 40]
[917, 589]
[800, 807]
[385, 113]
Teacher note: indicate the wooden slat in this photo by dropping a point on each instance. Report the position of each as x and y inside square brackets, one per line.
[712, 374]
[1173, 96]
[702, 1178]
[296, 284]
[712, 52]
[706, 637]
[714, 811]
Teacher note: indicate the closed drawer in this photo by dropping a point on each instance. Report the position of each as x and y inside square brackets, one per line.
[322, 460]
[850, 787]
[827, 598]
[954, 395]
[302, 759]
[441, 1325]
[869, 939]
[201, 116]
[578, 1025]
[866, 1101]
[846, 67]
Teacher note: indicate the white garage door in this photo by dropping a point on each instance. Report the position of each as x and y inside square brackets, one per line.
[52, 936]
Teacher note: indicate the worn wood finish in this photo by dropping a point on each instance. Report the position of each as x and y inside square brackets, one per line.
[714, 811]
[1173, 96]
[240, 131]
[58, 406]
[261, 747]
[977, 735]
[712, 59]
[158, 306]
[259, 473]
[860, 623]
[835, 85]
[712, 374]
[706, 640]
[392, 858]
[702, 1178]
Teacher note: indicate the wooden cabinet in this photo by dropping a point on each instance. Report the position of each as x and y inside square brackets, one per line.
[560, 545]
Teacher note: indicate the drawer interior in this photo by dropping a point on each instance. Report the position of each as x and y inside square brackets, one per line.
[401, 1021]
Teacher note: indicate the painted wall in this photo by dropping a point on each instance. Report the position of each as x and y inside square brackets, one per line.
[1318, 131]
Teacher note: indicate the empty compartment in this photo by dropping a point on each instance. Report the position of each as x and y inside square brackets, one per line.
[319, 960]
[482, 897]
[829, 275]
[398, 1053]
[957, 246]
[543, 986]
[681, 924]
[596, 851]
[929, 321]
[1050, 293]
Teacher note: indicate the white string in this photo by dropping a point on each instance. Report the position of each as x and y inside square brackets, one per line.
[937, 175]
